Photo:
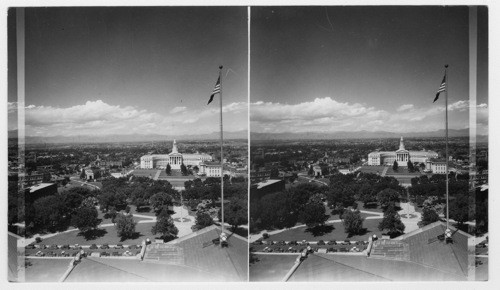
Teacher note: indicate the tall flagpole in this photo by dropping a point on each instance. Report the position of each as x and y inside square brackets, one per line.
[446, 104]
[221, 155]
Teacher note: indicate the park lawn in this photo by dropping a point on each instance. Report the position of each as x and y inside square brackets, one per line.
[133, 210]
[108, 236]
[334, 231]
[46, 270]
[271, 268]
[363, 215]
[376, 209]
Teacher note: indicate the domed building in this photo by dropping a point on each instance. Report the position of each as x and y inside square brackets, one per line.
[401, 156]
[174, 158]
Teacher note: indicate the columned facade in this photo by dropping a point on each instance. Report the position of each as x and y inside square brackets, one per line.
[401, 156]
[174, 158]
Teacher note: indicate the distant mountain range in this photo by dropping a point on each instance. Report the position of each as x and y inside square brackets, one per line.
[355, 135]
[128, 137]
[242, 135]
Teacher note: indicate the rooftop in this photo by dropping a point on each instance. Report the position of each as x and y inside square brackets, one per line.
[267, 183]
[40, 186]
[415, 256]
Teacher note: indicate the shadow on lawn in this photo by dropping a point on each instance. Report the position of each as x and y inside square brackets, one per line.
[93, 234]
[362, 232]
[133, 236]
[320, 230]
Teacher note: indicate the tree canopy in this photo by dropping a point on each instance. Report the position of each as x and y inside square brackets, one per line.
[125, 226]
[165, 226]
[353, 222]
[313, 215]
[392, 222]
[86, 219]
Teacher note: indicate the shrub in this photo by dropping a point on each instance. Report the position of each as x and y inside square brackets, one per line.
[38, 239]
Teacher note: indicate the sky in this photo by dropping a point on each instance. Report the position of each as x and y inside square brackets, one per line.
[130, 70]
[327, 69]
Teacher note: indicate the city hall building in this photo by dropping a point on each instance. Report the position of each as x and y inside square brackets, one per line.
[174, 158]
[401, 156]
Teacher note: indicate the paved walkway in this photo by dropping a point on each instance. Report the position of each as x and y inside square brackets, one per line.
[384, 171]
[313, 180]
[254, 237]
[157, 174]
[184, 227]
[411, 224]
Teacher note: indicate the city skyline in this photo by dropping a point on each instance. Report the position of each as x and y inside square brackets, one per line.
[130, 70]
[328, 69]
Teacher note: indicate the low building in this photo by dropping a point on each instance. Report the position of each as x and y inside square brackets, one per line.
[31, 178]
[210, 169]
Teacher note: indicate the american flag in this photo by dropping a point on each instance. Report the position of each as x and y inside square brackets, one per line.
[442, 88]
[215, 91]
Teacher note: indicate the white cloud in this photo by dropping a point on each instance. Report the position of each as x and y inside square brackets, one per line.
[329, 115]
[177, 110]
[405, 107]
[100, 118]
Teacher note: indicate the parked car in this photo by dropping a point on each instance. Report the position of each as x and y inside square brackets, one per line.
[321, 243]
[93, 247]
[65, 247]
[54, 247]
[332, 243]
[30, 246]
[119, 246]
[132, 247]
[105, 246]
[40, 254]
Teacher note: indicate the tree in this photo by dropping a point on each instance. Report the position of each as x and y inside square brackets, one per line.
[50, 213]
[395, 166]
[83, 175]
[203, 220]
[353, 222]
[72, 201]
[387, 197]
[411, 168]
[275, 173]
[429, 216]
[115, 199]
[275, 210]
[311, 171]
[168, 170]
[184, 170]
[236, 212]
[125, 226]
[86, 219]
[160, 200]
[165, 226]
[392, 222]
[313, 215]
[459, 209]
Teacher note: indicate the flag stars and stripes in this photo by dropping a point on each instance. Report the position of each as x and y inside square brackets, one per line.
[215, 91]
[442, 88]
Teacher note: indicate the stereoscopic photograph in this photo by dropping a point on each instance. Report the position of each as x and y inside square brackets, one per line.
[248, 144]
[369, 144]
[128, 144]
